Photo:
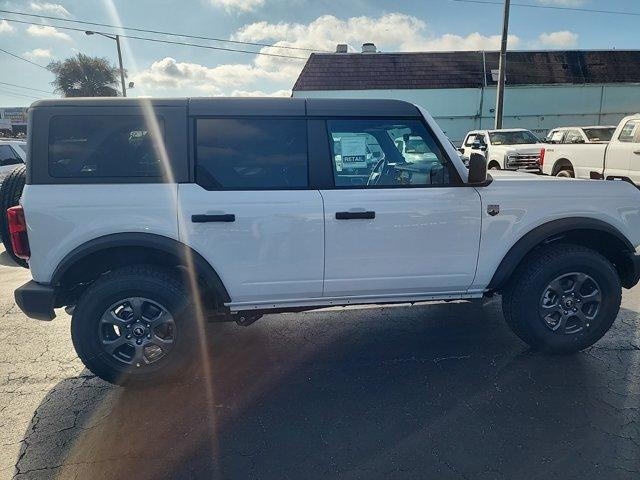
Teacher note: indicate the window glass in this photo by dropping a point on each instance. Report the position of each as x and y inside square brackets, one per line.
[104, 146]
[629, 130]
[369, 153]
[556, 136]
[518, 137]
[600, 134]
[470, 139]
[573, 136]
[251, 153]
[8, 156]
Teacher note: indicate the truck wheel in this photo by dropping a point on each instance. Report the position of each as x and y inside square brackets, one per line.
[135, 326]
[562, 299]
[494, 166]
[566, 172]
[10, 193]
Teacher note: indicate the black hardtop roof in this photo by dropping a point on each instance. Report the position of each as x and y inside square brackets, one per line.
[239, 106]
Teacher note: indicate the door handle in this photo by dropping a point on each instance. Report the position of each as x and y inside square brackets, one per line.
[355, 215]
[203, 218]
[637, 152]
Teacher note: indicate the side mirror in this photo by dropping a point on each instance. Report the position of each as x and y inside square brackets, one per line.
[460, 150]
[477, 169]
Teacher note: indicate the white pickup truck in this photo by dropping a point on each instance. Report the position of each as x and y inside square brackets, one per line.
[506, 149]
[619, 159]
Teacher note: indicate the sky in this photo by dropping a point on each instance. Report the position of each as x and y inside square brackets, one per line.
[162, 70]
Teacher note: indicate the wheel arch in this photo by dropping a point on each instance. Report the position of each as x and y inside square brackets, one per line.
[112, 251]
[589, 232]
[560, 163]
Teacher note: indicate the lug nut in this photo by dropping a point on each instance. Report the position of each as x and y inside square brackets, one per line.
[128, 336]
[139, 342]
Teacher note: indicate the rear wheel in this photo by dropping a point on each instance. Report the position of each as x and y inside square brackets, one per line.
[566, 172]
[562, 299]
[135, 326]
[10, 193]
[494, 166]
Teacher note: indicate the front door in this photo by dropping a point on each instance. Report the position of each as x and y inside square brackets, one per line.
[410, 227]
[621, 159]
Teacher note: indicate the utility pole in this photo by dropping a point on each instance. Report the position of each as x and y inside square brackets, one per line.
[117, 40]
[502, 65]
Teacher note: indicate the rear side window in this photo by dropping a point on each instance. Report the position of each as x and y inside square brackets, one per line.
[251, 153]
[104, 146]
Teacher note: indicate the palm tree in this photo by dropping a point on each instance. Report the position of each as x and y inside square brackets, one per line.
[85, 76]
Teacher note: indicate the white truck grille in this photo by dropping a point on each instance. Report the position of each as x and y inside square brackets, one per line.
[528, 161]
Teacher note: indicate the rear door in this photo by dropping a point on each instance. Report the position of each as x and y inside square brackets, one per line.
[411, 229]
[250, 211]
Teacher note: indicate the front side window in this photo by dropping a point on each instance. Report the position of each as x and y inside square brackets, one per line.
[629, 131]
[386, 153]
[251, 153]
[105, 146]
[518, 137]
[573, 136]
[555, 136]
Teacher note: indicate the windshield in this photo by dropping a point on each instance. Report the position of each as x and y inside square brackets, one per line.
[602, 134]
[518, 137]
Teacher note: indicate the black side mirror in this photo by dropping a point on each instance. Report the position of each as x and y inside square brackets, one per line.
[477, 169]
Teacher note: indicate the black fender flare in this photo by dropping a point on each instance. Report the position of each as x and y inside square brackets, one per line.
[546, 232]
[168, 245]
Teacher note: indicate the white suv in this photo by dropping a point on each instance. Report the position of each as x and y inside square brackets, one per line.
[146, 218]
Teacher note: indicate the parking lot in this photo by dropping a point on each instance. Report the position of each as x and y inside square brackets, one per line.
[430, 391]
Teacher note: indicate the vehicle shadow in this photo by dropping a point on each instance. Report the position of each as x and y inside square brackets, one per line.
[434, 391]
[6, 260]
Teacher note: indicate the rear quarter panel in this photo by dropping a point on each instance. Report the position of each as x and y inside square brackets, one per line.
[585, 158]
[63, 217]
[526, 203]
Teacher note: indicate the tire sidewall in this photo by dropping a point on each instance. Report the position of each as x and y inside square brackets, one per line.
[85, 330]
[526, 303]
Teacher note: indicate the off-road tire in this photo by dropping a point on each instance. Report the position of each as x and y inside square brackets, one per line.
[10, 193]
[521, 298]
[151, 282]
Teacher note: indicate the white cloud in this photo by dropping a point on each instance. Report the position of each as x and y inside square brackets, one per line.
[45, 31]
[38, 53]
[561, 39]
[51, 8]
[5, 27]
[562, 3]
[260, 93]
[236, 6]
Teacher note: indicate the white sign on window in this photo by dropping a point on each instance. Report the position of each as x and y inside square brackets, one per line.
[354, 152]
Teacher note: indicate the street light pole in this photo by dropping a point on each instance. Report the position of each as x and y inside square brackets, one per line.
[124, 89]
[117, 40]
[502, 66]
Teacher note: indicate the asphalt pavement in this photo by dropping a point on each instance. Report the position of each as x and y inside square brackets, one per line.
[432, 391]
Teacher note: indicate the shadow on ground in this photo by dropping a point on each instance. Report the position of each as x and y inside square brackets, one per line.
[435, 391]
[6, 260]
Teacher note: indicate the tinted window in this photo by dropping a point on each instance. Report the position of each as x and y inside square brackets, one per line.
[104, 146]
[252, 153]
[520, 137]
[8, 156]
[408, 154]
[628, 131]
[599, 134]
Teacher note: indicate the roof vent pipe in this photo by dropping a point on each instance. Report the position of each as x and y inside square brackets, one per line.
[369, 48]
[341, 48]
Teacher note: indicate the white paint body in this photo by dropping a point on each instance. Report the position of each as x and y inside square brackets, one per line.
[500, 154]
[286, 248]
[615, 159]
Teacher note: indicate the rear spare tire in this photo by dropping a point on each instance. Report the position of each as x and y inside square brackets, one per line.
[10, 193]
[562, 299]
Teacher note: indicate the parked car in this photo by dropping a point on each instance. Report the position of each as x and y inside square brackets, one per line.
[506, 149]
[572, 135]
[146, 218]
[616, 159]
[12, 154]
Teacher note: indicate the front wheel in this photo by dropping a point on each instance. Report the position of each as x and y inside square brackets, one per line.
[566, 173]
[135, 325]
[562, 299]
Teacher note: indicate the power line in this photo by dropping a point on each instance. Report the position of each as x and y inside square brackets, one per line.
[161, 32]
[26, 88]
[551, 7]
[23, 59]
[157, 40]
[14, 94]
